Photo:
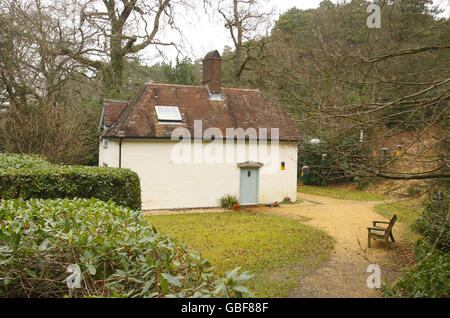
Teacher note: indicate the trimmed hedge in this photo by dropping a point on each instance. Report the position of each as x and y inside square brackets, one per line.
[16, 161]
[31, 177]
[118, 254]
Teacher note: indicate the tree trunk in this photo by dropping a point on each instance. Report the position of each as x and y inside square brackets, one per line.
[237, 59]
[113, 72]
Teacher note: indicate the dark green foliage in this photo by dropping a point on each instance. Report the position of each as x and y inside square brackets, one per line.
[364, 182]
[434, 224]
[118, 253]
[227, 201]
[29, 177]
[340, 165]
[184, 72]
[428, 278]
[414, 190]
[16, 161]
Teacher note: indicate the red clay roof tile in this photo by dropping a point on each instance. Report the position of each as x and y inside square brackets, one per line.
[240, 108]
[112, 110]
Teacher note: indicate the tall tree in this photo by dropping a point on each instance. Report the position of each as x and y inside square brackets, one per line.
[109, 31]
[245, 21]
[45, 92]
[338, 77]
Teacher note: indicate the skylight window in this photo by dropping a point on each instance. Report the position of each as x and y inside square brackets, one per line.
[168, 114]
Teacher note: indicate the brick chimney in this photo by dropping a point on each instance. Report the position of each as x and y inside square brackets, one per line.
[212, 72]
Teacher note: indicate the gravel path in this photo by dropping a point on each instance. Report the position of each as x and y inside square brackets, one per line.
[345, 273]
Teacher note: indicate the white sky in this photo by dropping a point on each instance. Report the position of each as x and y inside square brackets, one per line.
[210, 34]
[203, 33]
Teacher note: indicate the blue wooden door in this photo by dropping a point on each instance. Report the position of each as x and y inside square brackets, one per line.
[248, 193]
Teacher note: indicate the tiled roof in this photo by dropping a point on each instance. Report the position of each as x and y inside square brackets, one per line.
[240, 108]
[112, 110]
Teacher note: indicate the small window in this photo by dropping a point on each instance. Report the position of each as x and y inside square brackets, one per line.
[105, 143]
[168, 114]
[283, 165]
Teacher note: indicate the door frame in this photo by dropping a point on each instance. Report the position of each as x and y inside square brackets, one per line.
[249, 165]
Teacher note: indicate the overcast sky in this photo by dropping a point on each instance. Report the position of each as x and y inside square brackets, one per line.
[203, 33]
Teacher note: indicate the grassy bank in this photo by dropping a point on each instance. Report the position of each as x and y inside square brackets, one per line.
[407, 212]
[340, 193]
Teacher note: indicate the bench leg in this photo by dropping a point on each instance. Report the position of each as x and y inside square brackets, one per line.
[368, 241]
[391, 236]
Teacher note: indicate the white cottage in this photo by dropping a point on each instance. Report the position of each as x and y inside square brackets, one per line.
[190, 145]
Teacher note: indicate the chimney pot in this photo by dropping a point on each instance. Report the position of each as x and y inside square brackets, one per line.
[212, 72]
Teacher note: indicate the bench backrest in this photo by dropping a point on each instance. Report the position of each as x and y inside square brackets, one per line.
[391, 225]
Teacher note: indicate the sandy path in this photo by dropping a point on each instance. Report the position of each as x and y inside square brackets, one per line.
[344, 274]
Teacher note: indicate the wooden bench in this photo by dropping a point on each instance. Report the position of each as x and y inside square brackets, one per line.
[381, 233]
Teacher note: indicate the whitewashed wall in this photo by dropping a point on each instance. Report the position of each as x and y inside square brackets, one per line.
[169, 184]
[109, 156]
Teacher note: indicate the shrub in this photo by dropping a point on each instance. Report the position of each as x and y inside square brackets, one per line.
[16, 161]
[227, 201]
[413, 190]
[339, 166]
[29, 177]
[433, 223]
[428, 278]
[364, 182]
[117, 252]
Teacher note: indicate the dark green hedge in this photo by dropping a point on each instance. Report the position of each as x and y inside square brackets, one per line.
[30, 177]
[16, 161]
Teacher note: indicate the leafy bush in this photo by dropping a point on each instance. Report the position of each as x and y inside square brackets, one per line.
[413, 190]
[433, 223]
[428, 278]
[339, 166]
[117, 252]
[30, 177]
[16, 161]
[227, 201]
[364, 182]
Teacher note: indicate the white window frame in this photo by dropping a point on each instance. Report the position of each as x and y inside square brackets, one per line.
[169, 114]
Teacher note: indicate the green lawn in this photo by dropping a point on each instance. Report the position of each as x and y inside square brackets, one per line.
[407, 212]
[276, 249]
[340, 193]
